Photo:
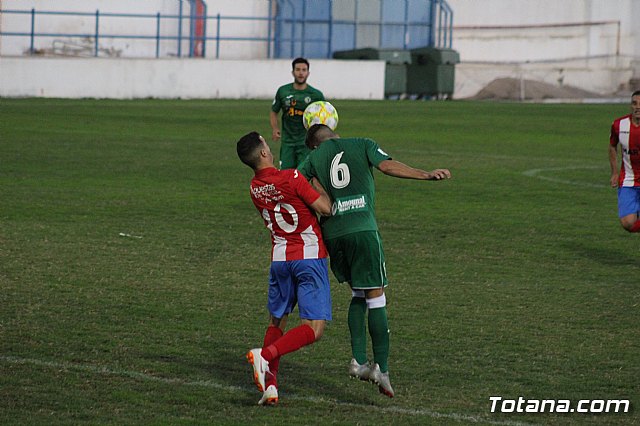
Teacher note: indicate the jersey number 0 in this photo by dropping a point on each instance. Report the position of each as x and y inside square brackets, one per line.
[282, 224]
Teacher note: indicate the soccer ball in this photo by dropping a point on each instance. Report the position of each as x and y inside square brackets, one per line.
[320, 112]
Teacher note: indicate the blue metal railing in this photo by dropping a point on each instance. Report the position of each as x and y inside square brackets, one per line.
[445, 24]
[441, 29]
[97, 35]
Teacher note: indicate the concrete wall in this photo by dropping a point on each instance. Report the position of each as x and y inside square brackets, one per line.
[601, 58]
[181, 78]
[170, 10]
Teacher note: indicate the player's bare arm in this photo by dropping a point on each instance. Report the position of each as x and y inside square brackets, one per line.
[323, 204]
[400, 170]
[275, 128]
[613, 161]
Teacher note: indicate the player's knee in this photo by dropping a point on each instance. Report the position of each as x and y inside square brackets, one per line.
[628, 225]
[629, 222]
[377, 302]
[318, 328]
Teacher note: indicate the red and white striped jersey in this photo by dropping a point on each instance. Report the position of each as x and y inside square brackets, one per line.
[283, 198]
[625, 133]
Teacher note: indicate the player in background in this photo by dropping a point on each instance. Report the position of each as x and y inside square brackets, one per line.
[625, 132]
[292, 99]
[299, 273]
[344, 167]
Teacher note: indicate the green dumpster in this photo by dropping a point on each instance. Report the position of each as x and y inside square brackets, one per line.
[432, 72]
[396, 62]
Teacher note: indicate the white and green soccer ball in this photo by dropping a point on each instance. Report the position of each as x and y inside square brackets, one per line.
[320, 112]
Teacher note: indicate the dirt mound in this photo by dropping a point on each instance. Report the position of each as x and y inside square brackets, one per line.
[515, 89]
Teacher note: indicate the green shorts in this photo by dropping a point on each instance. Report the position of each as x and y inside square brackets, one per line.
[358, 259]
[292, 154]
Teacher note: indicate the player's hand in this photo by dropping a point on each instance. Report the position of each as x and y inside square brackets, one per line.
[439, 174]
[275, 135]
[614, 180]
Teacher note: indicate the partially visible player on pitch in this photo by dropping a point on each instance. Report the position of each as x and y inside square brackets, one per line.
[299, 273]
[344, 169]
[625, 132]
[292, 99]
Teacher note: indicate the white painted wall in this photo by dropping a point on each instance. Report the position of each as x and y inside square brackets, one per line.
[589, 57]
[181, 78]
[135, 26]
[528, 44]
[578, 56]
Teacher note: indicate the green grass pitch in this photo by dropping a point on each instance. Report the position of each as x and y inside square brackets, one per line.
[133, 267]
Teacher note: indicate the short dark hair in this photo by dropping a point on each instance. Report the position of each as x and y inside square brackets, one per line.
[636, 93]
[317, 134]
[299, 61]
[248, 149]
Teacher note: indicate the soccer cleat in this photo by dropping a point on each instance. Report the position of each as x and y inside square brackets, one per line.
[260, 367]
[357, 371]
[270, 396]
[382, 380]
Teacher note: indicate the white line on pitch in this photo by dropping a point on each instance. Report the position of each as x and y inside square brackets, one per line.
[212, 384]
[536, 173]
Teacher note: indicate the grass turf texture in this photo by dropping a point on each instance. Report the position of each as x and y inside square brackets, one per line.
[502, 282]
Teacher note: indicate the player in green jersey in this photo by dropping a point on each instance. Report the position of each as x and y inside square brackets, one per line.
[344, 167]
[292, 99]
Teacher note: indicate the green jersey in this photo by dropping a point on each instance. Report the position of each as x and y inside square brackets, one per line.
[344, 167]
[293, 102]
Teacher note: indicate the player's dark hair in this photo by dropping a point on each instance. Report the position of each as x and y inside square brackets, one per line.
[299, 61]
[317, 134]
[248, 148]
[636, 93]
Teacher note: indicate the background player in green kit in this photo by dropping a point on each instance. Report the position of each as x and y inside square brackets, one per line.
[344, 168]
[292, 99]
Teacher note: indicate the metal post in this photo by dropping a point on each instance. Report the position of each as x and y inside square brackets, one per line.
[204, 29]
[406, 24]
[33, 23]
[279, 33]
[180, 31]
[218, 36]
[432, 18]
[269, 30]
[293, 30]
[192, 12]
[450, 29]
[97, 33]
[440, 36]
[304, 20]
[355, 25]
[330, 30]
[381, 27]
[158, 35]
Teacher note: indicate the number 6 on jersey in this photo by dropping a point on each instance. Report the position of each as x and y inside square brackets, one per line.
[340, 176]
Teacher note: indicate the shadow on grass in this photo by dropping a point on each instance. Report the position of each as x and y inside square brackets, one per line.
[604, 256]
[300, 380]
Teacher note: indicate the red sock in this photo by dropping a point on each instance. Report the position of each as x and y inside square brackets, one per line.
[635, 227]
[292, 340]
[272, 334]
